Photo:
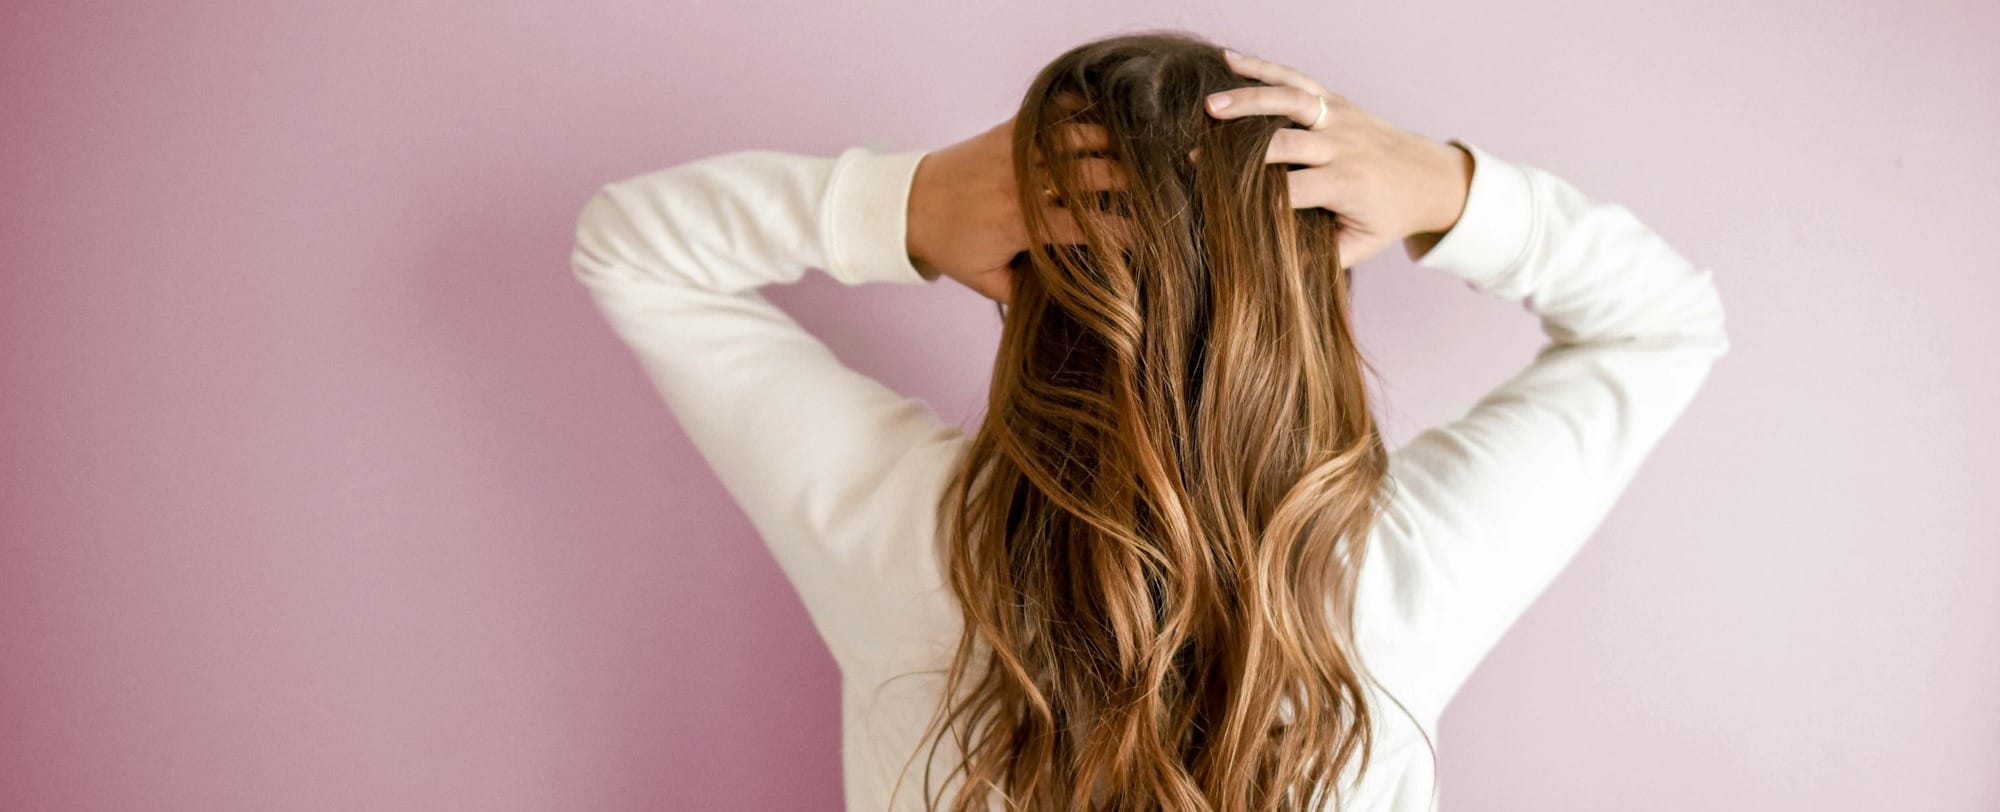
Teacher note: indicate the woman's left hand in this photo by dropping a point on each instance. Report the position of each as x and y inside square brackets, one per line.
[965, 218]
[1385, 182]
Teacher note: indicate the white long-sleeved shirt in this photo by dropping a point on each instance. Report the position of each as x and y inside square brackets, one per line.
[840, 474]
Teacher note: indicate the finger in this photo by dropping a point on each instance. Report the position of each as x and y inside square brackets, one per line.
[1272, 72]
[1083, 136]
[1283, 100]
[1102, 174]
[1065, 230]
[1309, 188]
[1104, 185]
[1308, 147]
[1077, 140]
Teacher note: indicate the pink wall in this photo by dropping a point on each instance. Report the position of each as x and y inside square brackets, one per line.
[323, 488]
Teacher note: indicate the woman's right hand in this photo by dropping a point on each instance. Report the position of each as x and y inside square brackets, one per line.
[965, 218]
[1386, 183]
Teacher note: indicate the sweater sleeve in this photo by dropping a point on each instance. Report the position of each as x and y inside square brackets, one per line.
[1486, 509]
[812, 451]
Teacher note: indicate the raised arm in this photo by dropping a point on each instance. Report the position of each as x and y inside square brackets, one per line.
[816, 454]
[1485, 510]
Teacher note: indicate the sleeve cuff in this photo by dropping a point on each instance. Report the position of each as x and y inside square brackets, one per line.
[867, 220]
[1491, 237]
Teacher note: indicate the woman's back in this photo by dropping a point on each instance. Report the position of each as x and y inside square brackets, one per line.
[840, 474]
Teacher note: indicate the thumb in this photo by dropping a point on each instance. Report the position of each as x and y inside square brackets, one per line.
[996, 283]
[1355, 246]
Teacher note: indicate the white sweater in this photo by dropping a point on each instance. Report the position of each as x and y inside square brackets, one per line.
[840, 474]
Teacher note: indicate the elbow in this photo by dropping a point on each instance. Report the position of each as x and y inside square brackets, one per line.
[1697, 327]
[1710, 320]
[602, 238]
[1687, 317]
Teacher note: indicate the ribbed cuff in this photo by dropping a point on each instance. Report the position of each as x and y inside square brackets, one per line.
[867, 217]
[1490, 239]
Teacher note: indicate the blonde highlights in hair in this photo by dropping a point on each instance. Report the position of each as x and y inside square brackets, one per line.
[1154, 534]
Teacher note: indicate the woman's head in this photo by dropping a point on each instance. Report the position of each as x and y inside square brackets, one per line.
[1155, 531]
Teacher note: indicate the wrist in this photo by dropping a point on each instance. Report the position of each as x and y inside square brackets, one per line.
[916, 223]
[1453, 185]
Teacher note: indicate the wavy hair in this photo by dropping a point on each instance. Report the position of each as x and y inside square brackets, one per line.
[1154, 534]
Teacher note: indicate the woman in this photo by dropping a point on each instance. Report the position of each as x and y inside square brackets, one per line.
[1174, 567]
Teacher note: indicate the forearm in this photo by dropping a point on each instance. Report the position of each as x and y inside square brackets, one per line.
[1488, 508]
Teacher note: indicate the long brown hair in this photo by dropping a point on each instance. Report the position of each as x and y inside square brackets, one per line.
[1155, 532]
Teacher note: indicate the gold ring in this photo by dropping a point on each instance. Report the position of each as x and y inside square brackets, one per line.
[1322, 113]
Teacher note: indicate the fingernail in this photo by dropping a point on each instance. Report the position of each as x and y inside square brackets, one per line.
[1231, 54]
[1218, 101]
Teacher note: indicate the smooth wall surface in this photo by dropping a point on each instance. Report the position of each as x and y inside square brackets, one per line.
[322, 487]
